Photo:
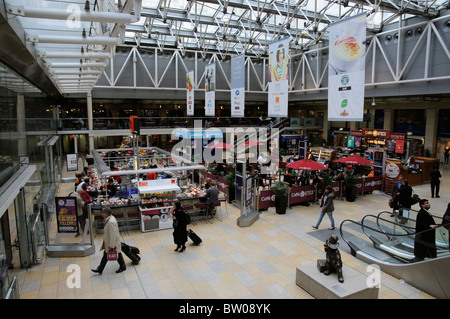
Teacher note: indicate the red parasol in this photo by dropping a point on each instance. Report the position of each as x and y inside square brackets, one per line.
[355, 159]
[250, 143]
[221, 145]
[307, 165]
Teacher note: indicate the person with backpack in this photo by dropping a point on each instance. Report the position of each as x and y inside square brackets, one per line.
[180, 221]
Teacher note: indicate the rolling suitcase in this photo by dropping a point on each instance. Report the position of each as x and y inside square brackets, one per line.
[132, 253]
[194, 237]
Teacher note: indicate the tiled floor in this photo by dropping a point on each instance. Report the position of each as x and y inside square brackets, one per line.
[259, 261]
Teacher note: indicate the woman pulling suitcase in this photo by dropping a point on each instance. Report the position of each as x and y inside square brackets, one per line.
[180, 235]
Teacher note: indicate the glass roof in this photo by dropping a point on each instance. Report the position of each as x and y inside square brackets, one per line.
[219, 26]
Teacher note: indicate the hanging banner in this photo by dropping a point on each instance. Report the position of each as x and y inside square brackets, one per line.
[190, 93]
[278, 78]
[66, 214]
[346, 69]
[237, 85]
[210, 86]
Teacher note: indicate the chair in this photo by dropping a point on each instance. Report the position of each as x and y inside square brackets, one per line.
[120, 220]
[99, 223]
[190, 210]
[133, 219]
[221, 213]
[201, 209]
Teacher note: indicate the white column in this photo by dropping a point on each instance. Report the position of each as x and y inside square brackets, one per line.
[21, 129]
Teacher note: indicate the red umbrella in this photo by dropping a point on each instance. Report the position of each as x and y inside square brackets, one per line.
[355, 159]
[221, 145]
[250, 143]
[307, 165]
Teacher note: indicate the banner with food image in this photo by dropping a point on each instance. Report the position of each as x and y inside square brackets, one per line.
[190, 93]
[346, 69]
[237, 85]
[210, 86]
[278, 78]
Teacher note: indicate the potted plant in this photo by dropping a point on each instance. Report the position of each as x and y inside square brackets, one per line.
[230, 177]
[350, 190]
[281, 197]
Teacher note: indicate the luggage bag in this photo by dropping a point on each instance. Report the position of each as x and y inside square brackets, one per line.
[194, 237]
[132, 253]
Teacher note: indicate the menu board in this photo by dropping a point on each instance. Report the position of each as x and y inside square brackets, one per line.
[66, 214]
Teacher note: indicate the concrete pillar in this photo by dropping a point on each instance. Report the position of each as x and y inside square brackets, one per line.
[431, 131]
[21, 128]
[389, 119]
[354, 126]
[90, 121]
[326, 126]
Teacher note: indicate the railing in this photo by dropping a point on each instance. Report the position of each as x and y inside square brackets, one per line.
[13, 291]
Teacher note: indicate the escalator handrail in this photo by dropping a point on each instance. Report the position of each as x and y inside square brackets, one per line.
[379, 231]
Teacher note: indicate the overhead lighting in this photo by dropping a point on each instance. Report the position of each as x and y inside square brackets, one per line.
[225, 18]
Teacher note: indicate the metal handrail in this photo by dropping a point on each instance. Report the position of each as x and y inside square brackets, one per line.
[12, 292]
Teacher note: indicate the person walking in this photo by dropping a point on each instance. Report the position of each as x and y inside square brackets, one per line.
[405, 194]
[435, 182]
[396, 193]
[446, 154]
[111, 242]
[180, 236]
[425, 237]
[80, 204]
[327, 205]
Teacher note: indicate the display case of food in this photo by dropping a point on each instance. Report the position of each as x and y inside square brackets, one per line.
[323, 155]
[157, 197]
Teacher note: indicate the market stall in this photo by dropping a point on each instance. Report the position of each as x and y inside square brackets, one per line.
[136, 194]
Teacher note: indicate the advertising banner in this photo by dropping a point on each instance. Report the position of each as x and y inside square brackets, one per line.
[190, 93]
[346, 69]
[373, 183]
[300, 194]
[66, 214]
[210, 87]
[278, 78]
[266, 199]
[72, 162]
[399, 146]
[238, 85]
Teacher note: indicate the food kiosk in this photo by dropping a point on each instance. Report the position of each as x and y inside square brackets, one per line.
[157, 197]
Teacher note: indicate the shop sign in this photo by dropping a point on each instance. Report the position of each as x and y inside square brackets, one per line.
[376, 133]
[398, 136]
[356, 133]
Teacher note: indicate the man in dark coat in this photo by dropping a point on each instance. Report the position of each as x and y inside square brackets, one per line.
[435, 182]
[404, 198]
[425, 238]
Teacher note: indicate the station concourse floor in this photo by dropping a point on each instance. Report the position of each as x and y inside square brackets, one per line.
[256, 262]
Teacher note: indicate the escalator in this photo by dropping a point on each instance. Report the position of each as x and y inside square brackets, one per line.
[388, 241]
